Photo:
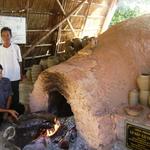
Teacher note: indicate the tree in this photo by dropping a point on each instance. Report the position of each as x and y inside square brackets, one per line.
[123, 13]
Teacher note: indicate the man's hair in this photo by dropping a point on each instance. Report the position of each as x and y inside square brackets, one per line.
[6, 29]
[1, 67]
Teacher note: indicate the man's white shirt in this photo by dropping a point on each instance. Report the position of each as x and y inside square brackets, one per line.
[9, 59]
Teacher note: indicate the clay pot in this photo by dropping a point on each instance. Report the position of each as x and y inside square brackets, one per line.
[77, 44]
[133, 97]
[43, 63]
[85, 41]
[68, 43]
[28, 75]
[149, 101]
[134, 110]
[143, 82]
[51, 61]
[93, 42]
[144, 95]
[25, 88]
[36, 70]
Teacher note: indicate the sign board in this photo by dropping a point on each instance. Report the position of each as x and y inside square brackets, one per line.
[18, 27]
[137, 137]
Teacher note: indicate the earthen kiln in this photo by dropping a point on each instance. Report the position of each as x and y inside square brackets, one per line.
[96, 83]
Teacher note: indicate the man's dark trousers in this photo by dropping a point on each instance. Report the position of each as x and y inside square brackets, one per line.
[15, 97]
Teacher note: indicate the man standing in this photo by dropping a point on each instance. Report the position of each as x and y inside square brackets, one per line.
[11, 60]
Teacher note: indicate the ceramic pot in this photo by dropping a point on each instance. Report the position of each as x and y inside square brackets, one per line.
[144, 96]
[143, 82]
[133, 97]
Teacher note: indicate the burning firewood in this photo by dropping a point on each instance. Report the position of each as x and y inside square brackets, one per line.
[46, 116]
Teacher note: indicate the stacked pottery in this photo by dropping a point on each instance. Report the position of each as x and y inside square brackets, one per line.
[43, 63]
[85, 41]
[36, 70]
[51, 61]
[143, 82]
[29, 75]
[25, 88]
[133, 97]
[77, 44]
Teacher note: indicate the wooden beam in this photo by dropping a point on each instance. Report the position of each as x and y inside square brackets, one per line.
[52, 30]
[109, 15]
[79, 9]
[27, 8]
[76, 13]
[69, 23]
[40, 45]
[86, 17]
[22, 11]
[60, 27]
[38, 30]
[34, 57]
[93, 3]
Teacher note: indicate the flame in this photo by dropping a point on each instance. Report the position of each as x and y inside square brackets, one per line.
[50, 132]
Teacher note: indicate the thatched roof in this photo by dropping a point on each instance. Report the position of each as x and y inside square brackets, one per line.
[43, 15]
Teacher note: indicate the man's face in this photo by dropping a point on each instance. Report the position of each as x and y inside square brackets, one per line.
[6, 37]
[1, 75]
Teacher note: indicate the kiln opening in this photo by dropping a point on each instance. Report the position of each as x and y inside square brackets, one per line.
[58, 105]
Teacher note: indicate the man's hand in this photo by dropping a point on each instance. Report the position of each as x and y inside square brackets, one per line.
[13, 113]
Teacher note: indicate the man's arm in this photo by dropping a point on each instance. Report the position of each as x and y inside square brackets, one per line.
[13, 113]
[8, 104]
[3, 110]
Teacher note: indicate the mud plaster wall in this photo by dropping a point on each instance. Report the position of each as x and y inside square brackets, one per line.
[97, 83]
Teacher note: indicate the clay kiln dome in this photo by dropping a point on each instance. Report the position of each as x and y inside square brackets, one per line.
[97, 84]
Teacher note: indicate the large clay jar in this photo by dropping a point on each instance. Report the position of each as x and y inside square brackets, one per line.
[133, 97]
[143, 82]
[149, 101]
[144, 95]
[51, 61]
[43, 63]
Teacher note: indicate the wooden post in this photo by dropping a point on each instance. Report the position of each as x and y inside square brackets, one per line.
[53, 29]
[27, 10]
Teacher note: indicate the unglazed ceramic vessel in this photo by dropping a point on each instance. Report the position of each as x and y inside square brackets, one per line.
[133, 97]
[144, 95]
[143, 82]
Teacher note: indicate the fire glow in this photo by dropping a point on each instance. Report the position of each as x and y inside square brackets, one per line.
[52, 131]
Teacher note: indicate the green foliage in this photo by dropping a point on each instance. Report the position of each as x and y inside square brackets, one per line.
[122, 14]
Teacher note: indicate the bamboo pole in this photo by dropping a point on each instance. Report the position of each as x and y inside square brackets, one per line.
[69, 23]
